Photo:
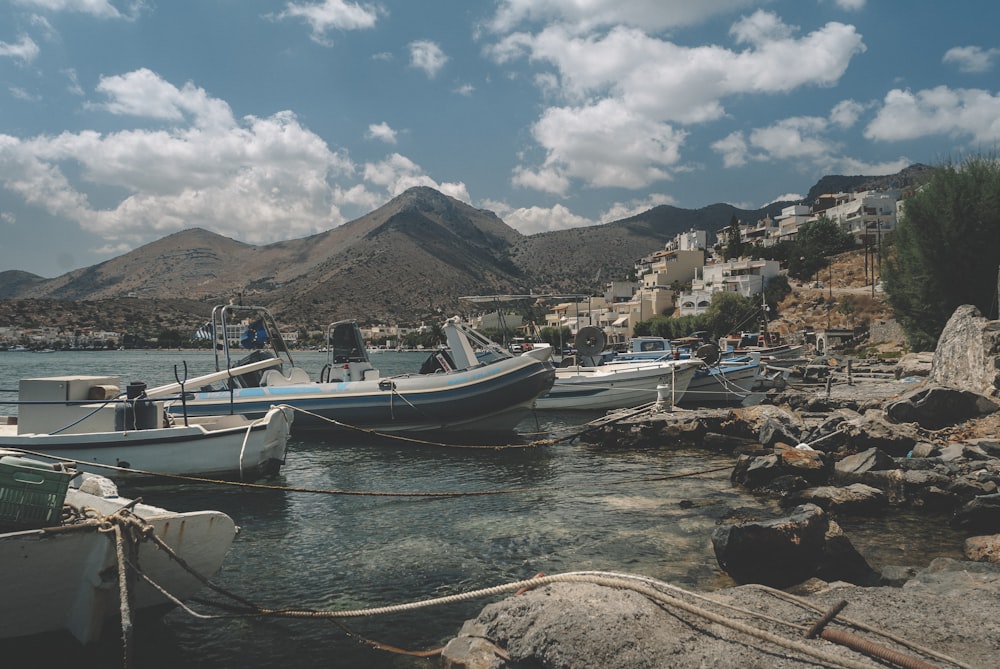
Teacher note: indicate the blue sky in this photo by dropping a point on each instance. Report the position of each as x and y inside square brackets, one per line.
[123, 121]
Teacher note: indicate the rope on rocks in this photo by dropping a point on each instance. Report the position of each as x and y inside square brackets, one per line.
[644, 586]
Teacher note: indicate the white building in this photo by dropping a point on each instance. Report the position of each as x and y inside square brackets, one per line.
[746, 277]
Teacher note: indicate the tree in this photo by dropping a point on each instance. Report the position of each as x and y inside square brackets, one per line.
[816, 241]
[734, 243]
[731, 312]
[945, 249]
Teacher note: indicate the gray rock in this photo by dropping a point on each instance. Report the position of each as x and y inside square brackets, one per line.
[856, 498]
[950, 606]
[872, 459]
[966, 353]
[981, 515]
[935, 407]
[914, 365]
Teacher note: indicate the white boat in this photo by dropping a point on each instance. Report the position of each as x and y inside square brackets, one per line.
[86, 419]
[616, 385]
[62, 576]
[472, 386]
[727, 381]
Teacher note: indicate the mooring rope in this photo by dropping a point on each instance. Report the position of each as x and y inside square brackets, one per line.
[377, 493]
[130, 530]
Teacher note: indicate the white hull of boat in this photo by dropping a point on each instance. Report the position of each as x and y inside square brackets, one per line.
[65, 579]
[722, 384]
[616, 385]
[214, 446]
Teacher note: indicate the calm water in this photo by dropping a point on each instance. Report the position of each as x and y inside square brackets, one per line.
[338, 552]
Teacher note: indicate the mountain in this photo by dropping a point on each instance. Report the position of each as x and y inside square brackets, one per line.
[408, 261]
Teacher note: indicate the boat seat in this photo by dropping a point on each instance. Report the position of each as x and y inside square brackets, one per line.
[296, 375]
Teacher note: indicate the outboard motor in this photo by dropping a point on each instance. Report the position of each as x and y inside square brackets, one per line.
[439, 361]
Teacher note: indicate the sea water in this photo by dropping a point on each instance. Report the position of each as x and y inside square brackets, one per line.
[554, 508]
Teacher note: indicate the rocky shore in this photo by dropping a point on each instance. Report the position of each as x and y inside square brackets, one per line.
[859, 439]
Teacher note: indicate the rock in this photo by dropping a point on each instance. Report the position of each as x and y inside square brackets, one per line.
[788, 550]
[871, 430]
[966, 353]
[983, 548]
[914, 365]
[982, 514]
[895, 576]
[870, 460]
[923, 450]
[935, 407]
[856, 498]
[813, 466]
[949, 606]
[774, 423]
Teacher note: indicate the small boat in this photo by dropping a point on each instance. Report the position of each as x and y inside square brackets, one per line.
[60, 571]
[726, 381]
[596, 379]
[474, 385]
[85, 419]
[617, 385]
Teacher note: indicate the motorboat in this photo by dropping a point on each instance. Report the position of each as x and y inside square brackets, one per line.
[472, 385]
[61, 569]
[595, 379]
[616, 385]
[728, 380]
[89, 421]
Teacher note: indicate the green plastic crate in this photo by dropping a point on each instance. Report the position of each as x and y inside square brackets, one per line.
[31, 493]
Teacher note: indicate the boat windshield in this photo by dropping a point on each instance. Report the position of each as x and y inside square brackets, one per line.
[345, 344]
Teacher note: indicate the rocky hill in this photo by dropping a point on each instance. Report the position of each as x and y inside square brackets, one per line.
[408, 261]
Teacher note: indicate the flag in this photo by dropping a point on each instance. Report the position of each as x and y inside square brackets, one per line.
[203, 333]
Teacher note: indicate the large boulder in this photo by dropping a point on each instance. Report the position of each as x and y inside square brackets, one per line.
[935, 407]
[967, 353]
[786, 551]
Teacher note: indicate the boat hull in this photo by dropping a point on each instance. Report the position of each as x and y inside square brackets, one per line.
[224, 447]
[493, 397]
[65, 580]
[722, 384]
[615, 386]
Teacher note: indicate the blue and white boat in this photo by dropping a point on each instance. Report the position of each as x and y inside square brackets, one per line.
[720, 378]
[474, 385]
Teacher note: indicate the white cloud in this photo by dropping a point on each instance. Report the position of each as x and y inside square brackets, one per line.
[794, 138]
[846, 113]
[329, 15]
[585, 15]
[959, 112]
[851, 5]
[427, 56]
[626, 91]
[465, 90]
[24, 49]
[620, 210]
[99, 8]
[143, 93]
[787, 197]
[257, 179]
[734, 149]
[972, 59]
[382, 132]
[398, 173]
[532, 220]
[607, 144]
[804, 141]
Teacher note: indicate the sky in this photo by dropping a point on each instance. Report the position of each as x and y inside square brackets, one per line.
[124, 121]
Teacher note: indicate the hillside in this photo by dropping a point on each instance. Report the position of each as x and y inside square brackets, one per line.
[407, 262]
